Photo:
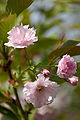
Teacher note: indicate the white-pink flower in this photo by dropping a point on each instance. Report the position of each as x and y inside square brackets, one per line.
[21, 36]
[40, 92]
[46, 73]
[53, 110]
[45, 112]
[73, 80]
[66, 67]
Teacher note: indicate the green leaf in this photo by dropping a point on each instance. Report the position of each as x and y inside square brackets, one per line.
[6, 26]
[43, 44]
[2, 8]
[17, 6]
[78, 71]
[71, 50]
[14, 109]
[3, 97]
[8, 113]
[70, 43]
[74, 51]
[65, 49]
[31, 116]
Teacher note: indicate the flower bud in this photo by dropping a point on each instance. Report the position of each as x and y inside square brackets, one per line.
[46, 73]
[73, 80]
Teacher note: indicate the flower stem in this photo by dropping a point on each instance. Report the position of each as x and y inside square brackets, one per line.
[28, 61]
[17, 97]
[28, 68]
[15, 90]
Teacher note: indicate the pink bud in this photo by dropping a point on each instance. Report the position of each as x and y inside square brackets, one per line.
[46, 73]
[12, 56]
[73, 80]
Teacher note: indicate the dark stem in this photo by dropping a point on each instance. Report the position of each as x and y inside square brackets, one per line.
[17, 98]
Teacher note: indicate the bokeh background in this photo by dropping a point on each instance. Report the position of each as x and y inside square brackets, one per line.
[57, 23]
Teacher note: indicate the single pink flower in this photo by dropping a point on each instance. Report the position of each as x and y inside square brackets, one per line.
[53, 110]
[46, 73]
[66, 67]
[40, 92]
[73, 80]
[21, 36]
[45, 112]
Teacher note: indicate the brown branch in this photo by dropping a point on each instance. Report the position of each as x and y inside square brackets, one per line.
[17, 98]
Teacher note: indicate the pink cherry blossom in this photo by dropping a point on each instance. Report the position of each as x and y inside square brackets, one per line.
[21, 36]
[73, 80]
[46, 112]
[53, 110]
[66, 67]
[46, 73]
[40, 92]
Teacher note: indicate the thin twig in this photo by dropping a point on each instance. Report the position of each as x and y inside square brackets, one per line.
[28, 61]
[17, 98]
[15, 90]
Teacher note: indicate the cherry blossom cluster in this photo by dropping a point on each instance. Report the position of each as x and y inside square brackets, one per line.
[42, 91]
[66, 68]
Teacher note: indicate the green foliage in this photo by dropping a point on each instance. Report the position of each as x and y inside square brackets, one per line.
[70, 43]
[8, 113]
[5, 26]
[17, 6]
[3, 78]
[14, 109]
[31, 116]
[78, 71]
[2, 8]
[65, 49]
[3, 97]
[43, 44]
